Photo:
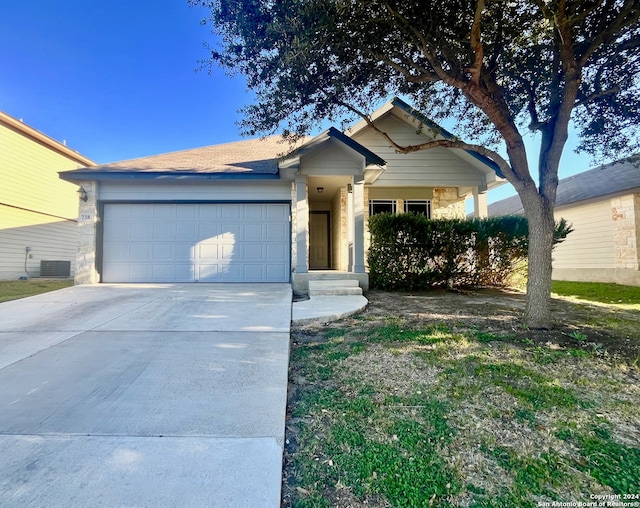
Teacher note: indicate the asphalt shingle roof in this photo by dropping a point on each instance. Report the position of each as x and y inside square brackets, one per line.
[600, 181]
[256, 156]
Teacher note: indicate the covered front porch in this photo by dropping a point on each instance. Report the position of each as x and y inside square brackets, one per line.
[329, 230]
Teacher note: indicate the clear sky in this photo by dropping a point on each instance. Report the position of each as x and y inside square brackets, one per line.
[118, 79]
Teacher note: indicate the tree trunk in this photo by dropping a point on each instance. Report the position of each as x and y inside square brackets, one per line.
[541, 226]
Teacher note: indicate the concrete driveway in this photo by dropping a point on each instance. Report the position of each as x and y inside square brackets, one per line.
[144, 395]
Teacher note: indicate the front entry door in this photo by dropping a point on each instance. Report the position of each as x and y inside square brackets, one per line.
[319, 241]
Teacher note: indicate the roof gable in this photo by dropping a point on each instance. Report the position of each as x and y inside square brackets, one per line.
[397, 105]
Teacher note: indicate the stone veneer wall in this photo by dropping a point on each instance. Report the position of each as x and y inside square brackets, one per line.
[446, 204]
[339, 241]
[625, 212]
[86, 272]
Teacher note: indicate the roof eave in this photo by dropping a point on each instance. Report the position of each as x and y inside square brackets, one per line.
[97, 175]
[41, 137]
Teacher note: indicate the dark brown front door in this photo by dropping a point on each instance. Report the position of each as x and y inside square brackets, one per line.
[319, 244]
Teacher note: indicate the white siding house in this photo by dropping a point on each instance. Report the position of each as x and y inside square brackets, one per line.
[603, 206]
[205, 215]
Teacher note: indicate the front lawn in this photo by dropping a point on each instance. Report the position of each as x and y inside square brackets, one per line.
[443, 399]
[14, 289]
[602, 292]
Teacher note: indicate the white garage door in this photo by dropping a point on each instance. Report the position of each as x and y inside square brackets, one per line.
[211, 242]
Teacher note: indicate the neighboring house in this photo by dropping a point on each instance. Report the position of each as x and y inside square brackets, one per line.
[38, 211]
[603, 206]
[261, 211]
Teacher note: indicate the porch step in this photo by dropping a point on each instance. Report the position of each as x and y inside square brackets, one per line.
[334, 287]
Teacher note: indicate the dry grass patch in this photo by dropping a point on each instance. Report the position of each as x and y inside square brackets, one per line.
[442, 402]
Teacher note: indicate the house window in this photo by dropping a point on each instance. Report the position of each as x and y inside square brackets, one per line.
[421, 206]
[377, 206]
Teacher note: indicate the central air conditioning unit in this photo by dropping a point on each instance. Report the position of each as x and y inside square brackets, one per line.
[55, 268]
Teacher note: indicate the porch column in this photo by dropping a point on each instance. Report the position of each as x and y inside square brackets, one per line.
[358, 225]
[302, 225]
[86, 254]
[480, 204]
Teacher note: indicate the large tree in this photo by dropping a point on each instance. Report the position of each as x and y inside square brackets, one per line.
[501, 68]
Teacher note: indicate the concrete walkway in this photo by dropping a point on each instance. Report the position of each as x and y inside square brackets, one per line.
[323, 309]
[134, 395]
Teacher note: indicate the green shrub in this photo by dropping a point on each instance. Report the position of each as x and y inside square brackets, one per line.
[412, 252]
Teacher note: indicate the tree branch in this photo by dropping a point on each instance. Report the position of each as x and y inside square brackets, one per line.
[612, 32]
[597, 95]
[476, 45]
[502, 163]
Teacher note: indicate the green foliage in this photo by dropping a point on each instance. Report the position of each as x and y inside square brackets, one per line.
[601, 292]
[410, 251]
[312, 60]
[610, 462]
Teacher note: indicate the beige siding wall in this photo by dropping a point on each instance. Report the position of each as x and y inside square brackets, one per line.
[591, 243]
[604, 244]
[335, 159]
[37, 209]
[432, 168]
[48, 237]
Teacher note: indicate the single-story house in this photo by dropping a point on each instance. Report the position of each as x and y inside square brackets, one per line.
[262, 211]
[38, 211]
[603, 206]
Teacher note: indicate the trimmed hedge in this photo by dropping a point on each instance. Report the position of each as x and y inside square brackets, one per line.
[412, 252]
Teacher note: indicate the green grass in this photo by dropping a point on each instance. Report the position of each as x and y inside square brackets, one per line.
[15, 289]
[464, 417]
[613, 464]
[598, 292]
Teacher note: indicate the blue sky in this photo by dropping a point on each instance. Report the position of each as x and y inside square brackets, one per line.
[117, 79]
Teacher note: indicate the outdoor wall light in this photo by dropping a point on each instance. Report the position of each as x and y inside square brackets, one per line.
[320, 190]
[83, 194]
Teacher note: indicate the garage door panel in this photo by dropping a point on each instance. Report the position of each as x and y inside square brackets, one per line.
[208, 252]
[231, 211]
[224, 242]
[276, 253]
[139, 252]
[186, 213]
[164, 232]
[163, 212]
[254, 212]
[276, 213]
[139, 231]
[253, 252]
[253, 232]
[163, 252]
[274, 272]
[187, 232]
[254, 272]
[208, 230]
[277, 232]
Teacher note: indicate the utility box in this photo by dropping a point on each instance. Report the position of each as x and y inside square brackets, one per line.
[55, 268]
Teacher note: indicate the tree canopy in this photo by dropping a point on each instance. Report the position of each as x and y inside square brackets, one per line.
[492, 65]
[500, 68]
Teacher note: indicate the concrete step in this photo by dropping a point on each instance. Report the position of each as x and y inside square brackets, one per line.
[323, 283]
[334, 287]
[337, 290]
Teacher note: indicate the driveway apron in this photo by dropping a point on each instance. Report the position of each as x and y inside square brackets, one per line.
[144, 395]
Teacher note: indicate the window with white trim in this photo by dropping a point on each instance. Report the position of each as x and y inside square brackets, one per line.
[421, 206]
[377, 206]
